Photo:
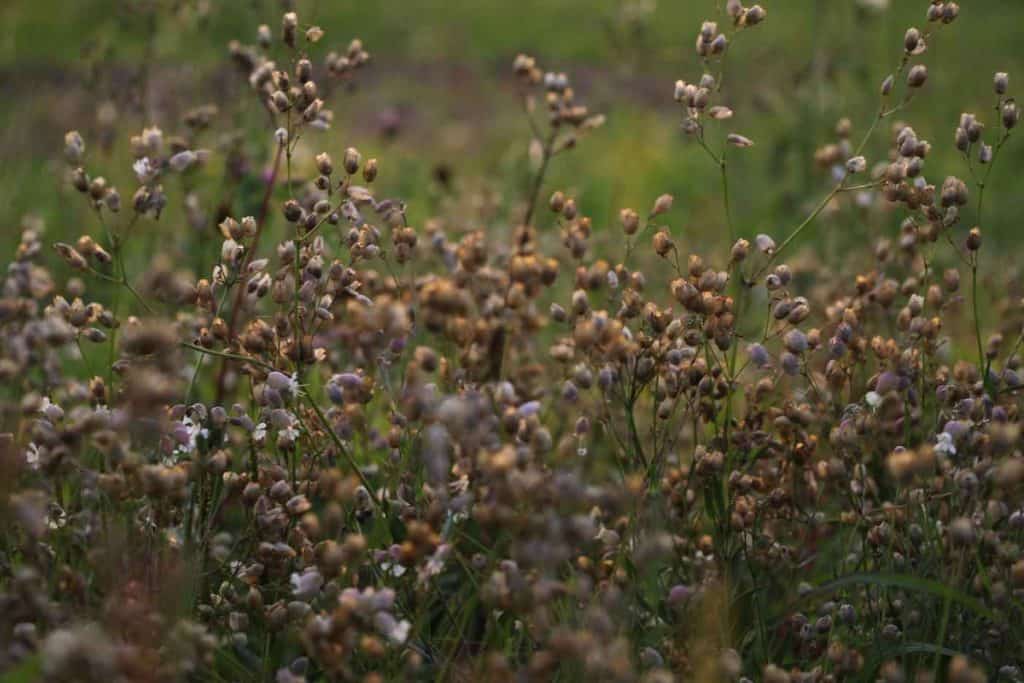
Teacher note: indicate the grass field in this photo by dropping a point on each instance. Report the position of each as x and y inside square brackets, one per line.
[442, 70]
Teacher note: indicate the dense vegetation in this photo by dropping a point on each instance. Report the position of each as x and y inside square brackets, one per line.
[275, 409]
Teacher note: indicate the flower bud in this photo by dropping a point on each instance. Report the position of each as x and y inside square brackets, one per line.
[352, 160]
[754, 15]
[1010, 114]
[661, 205]
[370, 170]
[662, 243]
[917, 76]
[911, 40]
[737, 140]
[324, 164]
[974, 239]
[1001, 82]
[74, 147]
[740, 250]
[281, 101]
[630, 221]
[289, 22]
[557, 202]
[887, 84]
[292, 211]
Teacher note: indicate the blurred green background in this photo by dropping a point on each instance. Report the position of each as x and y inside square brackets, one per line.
[439, 100]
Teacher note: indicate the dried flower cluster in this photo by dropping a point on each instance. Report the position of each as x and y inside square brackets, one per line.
[378, 451]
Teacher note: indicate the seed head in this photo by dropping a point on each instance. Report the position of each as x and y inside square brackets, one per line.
[887, 85]
[754, 15]
[974, 239]
[324, 164]
[351, 160]
[289, 22]
[74, 147]
[263, 36]
[557, 202]
[917, 76]
[1001, 82]
[662, 205]
[630, 220]
[911, 40]
[314, 34]
[663, 243]
[1010, 114]
[740, 250]
[737, 140]
[857, 164]
[370, 170]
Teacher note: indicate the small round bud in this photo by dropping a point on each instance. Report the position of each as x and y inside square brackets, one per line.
[569, 211]
[740, 250]
[281, 101]
[663, 244]
[324, 164]
[370, 170]
[917, 76]
[961, 141]
[737, 140]
[974, 239]
[74, 147]
[304, 70]
[1010, 114]
[80, 179]
[662, 204]
[314, 34]
[765, 244]
[557, 202]
[292, 211]
[985, 154]
[887, 85]
[754, 15]
[263, 36]
[289, 22]
[1001, 82]
[911, 40]
[352, 160]
[630, 221]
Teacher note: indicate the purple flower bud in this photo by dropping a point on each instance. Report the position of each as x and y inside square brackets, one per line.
[758, 355]
[679, 594]
[335, 394]
[956, 428]
[279, 381]
[888, 381]
[795, 341]
[790, 363]
[529, 408]
[349, 380]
